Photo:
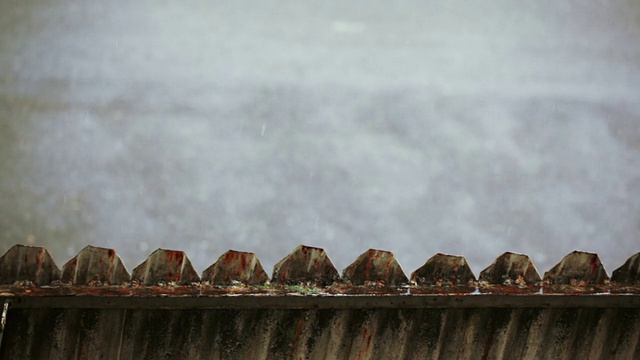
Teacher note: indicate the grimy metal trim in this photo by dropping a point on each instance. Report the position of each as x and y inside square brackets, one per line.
[329, 302]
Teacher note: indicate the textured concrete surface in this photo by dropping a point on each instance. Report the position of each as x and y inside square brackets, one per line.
[464, 128]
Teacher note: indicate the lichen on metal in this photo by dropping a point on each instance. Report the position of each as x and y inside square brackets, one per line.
[444, 270]
[165, 266]
[32, 264]
[579, 267]
[510, 268]
[95, 266]
[236, 266]
[305, 264]
[629, 272]
[375, 267]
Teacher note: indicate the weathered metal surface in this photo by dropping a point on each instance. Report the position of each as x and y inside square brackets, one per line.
[375, 267]
[510, 268]
[374, 272]
[305, 300]
[629, 272]
[62, 334]
[165, 266]
[382, 334]
[236, 266]
[165, 311]
[576, 268]
[31, 264]
[443, 270]
[448, 333]
[510, 274]
[95, 266]
[305, 264]
[444, 274]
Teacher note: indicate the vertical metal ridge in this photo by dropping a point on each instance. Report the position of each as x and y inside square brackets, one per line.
[28, 263]
[165, 266]
[235, 266]
[442, 269]
[305, 264]
[121, 334]
[576, 268]
[629, 272]
[95, 265]
[510, 268]
[375, 266]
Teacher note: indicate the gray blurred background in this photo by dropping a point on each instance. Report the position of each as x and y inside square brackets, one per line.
[463, 127]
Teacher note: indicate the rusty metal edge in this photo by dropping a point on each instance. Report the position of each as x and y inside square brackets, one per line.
[291, 301]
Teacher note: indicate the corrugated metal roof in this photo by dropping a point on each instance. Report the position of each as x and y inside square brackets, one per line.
[93, 308]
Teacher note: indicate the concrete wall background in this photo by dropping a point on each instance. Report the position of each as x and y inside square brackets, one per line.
[468, 128]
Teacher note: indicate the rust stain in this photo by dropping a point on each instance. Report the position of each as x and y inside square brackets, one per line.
[230, 256]
[298, 337]
[594, 265]
[174, 256]
[38, 259]
[243, 261]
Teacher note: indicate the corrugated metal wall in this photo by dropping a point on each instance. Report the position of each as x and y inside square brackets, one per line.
[93, 309]
[467, 333]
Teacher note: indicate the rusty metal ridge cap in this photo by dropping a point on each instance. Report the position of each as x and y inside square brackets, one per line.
[579, 271]
[297, 301]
